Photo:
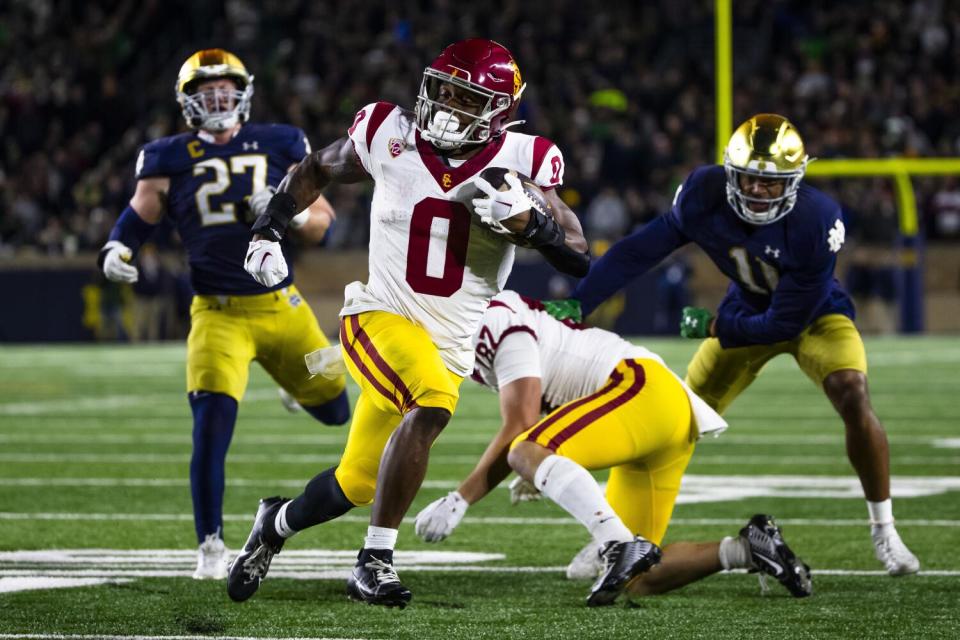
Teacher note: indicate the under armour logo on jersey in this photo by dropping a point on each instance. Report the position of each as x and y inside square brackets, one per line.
[770, 251]
[250, 145]
[836, 236]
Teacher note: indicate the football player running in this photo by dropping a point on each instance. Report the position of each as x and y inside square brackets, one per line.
[205, 181]
[440, 248]
[777, 239]
[614, 406]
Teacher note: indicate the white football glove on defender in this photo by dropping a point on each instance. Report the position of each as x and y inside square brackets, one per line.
[116, 263]
[439, 518]
[265, 262]
[497, 206]
[326, 361]
[522, 491]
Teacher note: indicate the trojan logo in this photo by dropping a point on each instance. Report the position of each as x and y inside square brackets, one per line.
[517, 80]
[193, 148]
[447, 181]
[457, 72]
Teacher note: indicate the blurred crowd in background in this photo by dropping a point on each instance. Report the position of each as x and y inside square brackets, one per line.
[626, 89]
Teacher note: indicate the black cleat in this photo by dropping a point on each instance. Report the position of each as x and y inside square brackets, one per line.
[376, 582]
[771, 556]
[253, 561]
[622, 562]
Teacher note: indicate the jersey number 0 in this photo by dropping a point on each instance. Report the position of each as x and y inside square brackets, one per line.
[437, 251]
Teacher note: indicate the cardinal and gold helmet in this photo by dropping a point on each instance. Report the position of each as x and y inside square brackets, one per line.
[485, 71]
[765, 146]
[214, 109]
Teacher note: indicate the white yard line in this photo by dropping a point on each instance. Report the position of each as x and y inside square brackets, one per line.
[560, 521]
[120, 434]
[701, 459]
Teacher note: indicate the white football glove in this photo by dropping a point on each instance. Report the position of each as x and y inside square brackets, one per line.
[116, 263]
[439, 518]
[265, 262]
[260, 200]
[326, 361]
[522, 491]
[497, 206]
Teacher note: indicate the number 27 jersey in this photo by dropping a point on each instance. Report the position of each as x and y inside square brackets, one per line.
[431, 260]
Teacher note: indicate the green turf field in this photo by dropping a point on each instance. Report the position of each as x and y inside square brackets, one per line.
[94, 455]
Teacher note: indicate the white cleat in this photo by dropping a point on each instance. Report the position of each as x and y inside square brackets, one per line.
[896, 558]
[212, 559]
[587, 564]
[289, 402]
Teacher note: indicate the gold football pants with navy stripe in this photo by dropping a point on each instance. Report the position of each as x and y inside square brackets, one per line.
[639, 426]
[276, 329]
[398, 368]
[831, 343]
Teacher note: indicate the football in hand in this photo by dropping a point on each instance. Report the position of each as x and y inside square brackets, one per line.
[496, 176]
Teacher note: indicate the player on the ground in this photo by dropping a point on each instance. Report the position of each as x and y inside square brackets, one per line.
[777, 239]
[611, 404]
[205, 181]
[434, 265]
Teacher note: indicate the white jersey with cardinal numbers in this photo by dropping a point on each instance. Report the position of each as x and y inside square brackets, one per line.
[518, 339]
[431, 259]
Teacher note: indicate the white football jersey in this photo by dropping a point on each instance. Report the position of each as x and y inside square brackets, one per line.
[518, 339]
[431, 260]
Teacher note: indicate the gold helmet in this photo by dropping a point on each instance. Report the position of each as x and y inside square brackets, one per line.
[214, 110]
[768, 146]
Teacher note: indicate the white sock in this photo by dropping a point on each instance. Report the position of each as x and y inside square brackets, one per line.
[280, 522]
[735, 553]
[573, 488]
[881, 513]
[380, 538]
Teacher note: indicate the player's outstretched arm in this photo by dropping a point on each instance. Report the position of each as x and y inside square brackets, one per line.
[133, 227]
[336, 163]
[520, 409]
[627, 259]
[298, 190]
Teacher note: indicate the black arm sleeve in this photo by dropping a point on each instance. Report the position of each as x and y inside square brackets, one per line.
[273, 222]
[544, 234]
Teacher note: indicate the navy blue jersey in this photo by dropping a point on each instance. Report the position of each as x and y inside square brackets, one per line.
[209, 186]
[781, 273]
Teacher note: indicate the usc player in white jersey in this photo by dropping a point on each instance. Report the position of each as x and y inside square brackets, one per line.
[610, 405]
[440, 248]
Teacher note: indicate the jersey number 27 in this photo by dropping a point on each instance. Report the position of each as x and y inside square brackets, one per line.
[222, 176]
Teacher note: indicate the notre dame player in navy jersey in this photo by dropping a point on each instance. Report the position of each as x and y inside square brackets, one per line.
[782, 298]
[209, 182]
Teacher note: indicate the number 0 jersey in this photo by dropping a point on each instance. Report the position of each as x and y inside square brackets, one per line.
[518, 339]
[209, 186]
[431, 260]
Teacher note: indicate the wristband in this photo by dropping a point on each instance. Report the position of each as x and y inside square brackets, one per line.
[272, 224]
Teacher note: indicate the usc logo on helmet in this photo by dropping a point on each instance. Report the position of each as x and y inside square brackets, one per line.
[517, 79]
